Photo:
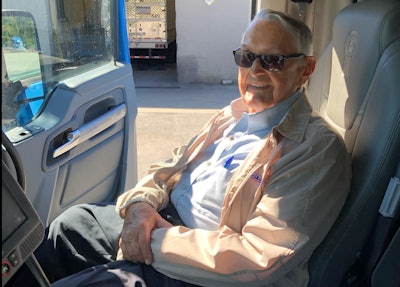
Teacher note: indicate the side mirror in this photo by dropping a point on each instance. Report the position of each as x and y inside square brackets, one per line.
[22, 85]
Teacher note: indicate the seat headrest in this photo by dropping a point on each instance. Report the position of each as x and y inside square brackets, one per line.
[361, 33]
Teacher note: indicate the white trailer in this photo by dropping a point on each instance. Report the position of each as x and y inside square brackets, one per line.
[151, 28]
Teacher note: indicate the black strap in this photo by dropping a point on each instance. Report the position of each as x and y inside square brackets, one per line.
[16, 161]
[382, 234]
[170, 214]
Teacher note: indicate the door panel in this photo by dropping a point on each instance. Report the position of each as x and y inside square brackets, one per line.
[90, 171]
[73, 118]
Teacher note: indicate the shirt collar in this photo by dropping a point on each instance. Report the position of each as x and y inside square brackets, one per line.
[264, 120]
[269, 118]
[294, 121]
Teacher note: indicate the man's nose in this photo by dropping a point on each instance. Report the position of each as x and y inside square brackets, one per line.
[256, 67]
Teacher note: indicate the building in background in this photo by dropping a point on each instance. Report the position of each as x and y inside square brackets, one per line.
[206, 36]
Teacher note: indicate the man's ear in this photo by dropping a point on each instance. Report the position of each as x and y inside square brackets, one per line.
[309, 67]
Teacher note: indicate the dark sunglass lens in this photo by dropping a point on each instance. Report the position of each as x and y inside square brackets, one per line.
[272, 62]
[244, 59]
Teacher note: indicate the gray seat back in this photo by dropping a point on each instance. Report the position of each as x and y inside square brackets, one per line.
[356, 88]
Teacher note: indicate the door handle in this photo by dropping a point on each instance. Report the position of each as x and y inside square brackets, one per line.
[91, 129]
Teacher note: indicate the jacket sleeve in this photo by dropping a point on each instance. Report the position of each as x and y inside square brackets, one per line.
[304, 194]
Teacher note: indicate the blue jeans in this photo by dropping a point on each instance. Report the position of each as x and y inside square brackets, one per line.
[80, 248]
[119, 274]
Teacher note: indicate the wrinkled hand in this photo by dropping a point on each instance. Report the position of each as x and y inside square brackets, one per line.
[140, 220]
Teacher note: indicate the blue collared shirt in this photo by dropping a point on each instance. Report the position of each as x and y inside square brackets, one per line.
[198, 196]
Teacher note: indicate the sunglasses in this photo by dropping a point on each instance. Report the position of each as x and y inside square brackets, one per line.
[273, 63]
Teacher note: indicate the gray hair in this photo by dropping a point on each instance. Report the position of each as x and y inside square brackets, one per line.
[296, 27]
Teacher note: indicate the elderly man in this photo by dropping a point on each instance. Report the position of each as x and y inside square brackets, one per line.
[245, 203]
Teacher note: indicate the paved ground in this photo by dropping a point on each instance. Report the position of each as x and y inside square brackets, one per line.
[170, 113]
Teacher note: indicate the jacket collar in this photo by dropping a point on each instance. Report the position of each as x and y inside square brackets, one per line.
[294, 123]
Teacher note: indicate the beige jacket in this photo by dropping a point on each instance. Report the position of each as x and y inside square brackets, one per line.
[268, 230]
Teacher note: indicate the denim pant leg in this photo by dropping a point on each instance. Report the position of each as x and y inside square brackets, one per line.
[80, 247]
[83, 236]
[120, 274]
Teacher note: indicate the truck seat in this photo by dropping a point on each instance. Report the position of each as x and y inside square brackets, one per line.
[356, 88]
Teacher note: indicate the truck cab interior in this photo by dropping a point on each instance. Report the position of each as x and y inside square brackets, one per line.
[355, 88]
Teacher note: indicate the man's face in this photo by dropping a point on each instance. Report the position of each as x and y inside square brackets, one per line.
[260, 88]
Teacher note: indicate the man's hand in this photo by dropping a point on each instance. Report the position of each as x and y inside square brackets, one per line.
[140, 220]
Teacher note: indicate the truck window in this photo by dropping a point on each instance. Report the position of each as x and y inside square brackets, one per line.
[43, 47]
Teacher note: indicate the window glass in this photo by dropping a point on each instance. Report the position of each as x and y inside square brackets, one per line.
[44, 43]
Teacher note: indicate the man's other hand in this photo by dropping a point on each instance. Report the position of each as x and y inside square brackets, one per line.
[140, 220]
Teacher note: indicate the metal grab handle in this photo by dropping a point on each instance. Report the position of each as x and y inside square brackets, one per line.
[90, 129]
